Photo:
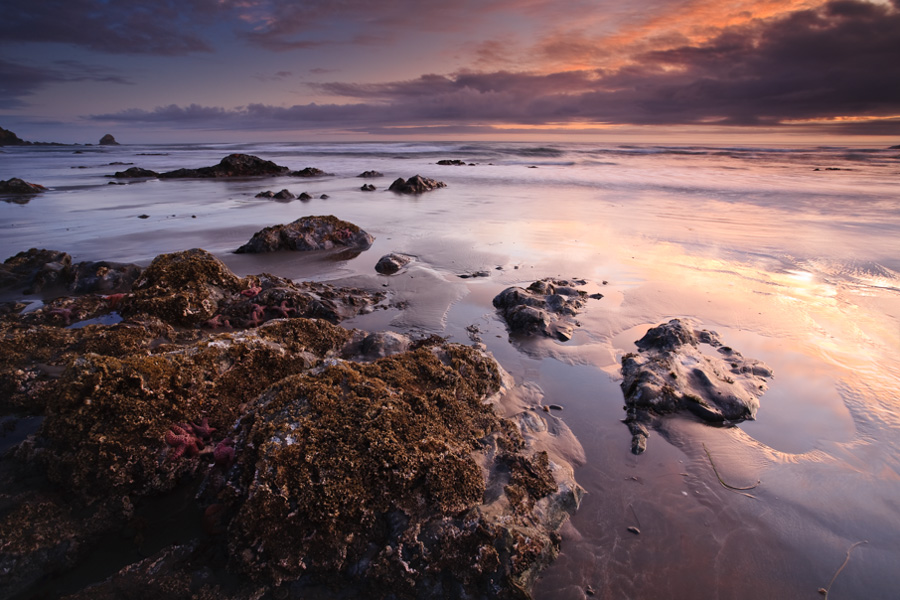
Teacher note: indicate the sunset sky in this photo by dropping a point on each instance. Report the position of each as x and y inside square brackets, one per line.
[259, 70]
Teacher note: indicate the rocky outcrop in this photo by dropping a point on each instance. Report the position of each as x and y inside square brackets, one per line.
[289, 454]
[415, 185]
[392, 263]
[282, 195]
[546, 308]
[108, 140]
[370, 174]
[670, 373]
[38, 270]
[452, 162]
[19, 186]
[8, 138]
[310, 172]
[233, 165]
[135, 173]
[367, 187]
[308, 233]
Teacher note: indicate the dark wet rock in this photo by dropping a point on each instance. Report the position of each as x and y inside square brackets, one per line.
[35, 269]
[393, 262]
[233, 165]
[308, 233]
[135, 173]
[547, 308]
[670, 373]
[894, 148]
[310, 172]
[282, 195]
[452, 162]
[304, 197]
[367, 187]
[324, 197]
[415, 185]
[108, 140]
[370, 174]
[475, 275]
[19, 186]
[103, 277]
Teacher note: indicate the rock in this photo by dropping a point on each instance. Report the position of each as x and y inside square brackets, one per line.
[108, 140]
[35, 270]
[453, 162]
[428, 492]
[18, 186]
[415, 185]
[475, 275]
[894, 147]
[310, 172]
[8, 138]
[546, 308]
[367, 187]
[304, 197]
[670, 373]
[233, 165]
[282, 195]
[135, 173]
[391, 263]
[308, 233]
[103, 277]
[324, 197]
[370, 174]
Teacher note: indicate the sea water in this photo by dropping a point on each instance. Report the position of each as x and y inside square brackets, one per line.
[792, 254]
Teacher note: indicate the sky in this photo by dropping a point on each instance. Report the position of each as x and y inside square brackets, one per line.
[278, 70]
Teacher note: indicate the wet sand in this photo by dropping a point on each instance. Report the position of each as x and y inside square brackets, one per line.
[785, 268]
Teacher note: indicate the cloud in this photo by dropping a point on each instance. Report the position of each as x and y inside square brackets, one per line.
[837, 61]
[163, 27]
[18, 81]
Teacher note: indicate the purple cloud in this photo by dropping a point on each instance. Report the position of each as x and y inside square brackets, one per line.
[18, 80]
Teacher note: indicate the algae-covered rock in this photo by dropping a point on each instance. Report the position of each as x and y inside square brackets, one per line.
[670, 373]
[375, 476]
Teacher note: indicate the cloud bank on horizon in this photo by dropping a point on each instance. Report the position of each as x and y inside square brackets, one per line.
[407, 67]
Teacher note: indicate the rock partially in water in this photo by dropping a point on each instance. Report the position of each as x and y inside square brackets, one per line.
[452, 162]
[546, 308]
[310, 172]
[108, 140]
[233, 165]
[309, 233]
[392, 263]
[135, 173]
[19, 186]
[370, 174]
[282, 195]
[367, 187]
[670, 373]
[415, 185]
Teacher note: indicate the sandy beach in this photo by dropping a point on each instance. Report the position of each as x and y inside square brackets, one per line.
[790, 254]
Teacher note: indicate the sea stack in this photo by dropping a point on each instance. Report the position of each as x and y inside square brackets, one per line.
[108, 140]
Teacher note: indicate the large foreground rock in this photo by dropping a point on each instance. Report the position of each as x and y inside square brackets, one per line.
[308, 233]
[546, 308]
[415, 185]
[290, 462]
[233, 165]
[670, 373]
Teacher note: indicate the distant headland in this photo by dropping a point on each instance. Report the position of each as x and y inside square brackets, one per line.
[8, 138]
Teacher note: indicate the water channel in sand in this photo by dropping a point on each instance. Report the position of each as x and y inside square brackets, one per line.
[795, 267]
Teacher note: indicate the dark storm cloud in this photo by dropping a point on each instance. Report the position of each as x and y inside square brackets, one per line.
[18, 81]
[164, 27]
[841, 60]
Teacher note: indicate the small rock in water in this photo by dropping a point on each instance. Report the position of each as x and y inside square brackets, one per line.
[634, 530]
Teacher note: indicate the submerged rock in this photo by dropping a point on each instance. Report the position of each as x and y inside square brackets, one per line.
[308, 233]
[415, 185]
[233, 165]
[670, 373]
[452, 162]
[547, 308]
[19, 186]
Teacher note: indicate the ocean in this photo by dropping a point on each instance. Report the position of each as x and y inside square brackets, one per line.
[792, 254]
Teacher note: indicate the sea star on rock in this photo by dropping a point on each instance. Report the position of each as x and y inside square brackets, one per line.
[183, 440]
[256, 317]
[343, 234]
[216, 322]
[283, 311]
[251, 292]
[113, 300]
[65, 313]
[223, 454]
[203, 430]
